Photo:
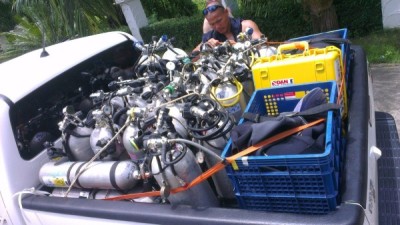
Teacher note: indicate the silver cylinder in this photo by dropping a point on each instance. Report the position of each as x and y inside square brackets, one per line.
[186, 170]
[130, 133]
[136, 101]
[104, 134]
[73, 193]
[178, 121]
[117, 102]
[234, 106]
[99, 174]
[80, 145]
[223, 184]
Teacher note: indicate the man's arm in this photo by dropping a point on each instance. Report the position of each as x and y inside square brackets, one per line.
[256, 31]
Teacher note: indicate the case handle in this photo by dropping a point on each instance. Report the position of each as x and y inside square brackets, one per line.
[294, 45]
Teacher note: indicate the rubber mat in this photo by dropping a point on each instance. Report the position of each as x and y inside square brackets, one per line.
[387, 140]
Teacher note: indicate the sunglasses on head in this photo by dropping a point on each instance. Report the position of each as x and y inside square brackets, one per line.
[211, 9]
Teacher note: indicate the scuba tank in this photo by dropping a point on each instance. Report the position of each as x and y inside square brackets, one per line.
[128, 139]
[102, 134]
[179, 173]
[223, 184]
[178, 121]
[212, 129]
[79, 144]
[230, 96]
[75, 135]
[120, 175]
[174, 165]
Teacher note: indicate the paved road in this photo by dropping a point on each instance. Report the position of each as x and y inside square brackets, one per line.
[386, 87]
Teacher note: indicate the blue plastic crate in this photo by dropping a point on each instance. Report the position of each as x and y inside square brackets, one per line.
[303, 176]
[308, 205]
[274, 183]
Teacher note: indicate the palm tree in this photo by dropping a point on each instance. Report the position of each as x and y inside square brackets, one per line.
[56, 21]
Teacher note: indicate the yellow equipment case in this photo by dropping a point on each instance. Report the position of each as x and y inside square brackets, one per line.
[312, 65]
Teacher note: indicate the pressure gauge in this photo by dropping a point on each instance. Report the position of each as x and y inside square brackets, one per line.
[107, 109]
[170, 66]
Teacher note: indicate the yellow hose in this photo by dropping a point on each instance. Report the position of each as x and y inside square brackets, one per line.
[229, 101]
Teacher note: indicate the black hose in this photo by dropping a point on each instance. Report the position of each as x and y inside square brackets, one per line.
[214, 124]
[73, 133]
[177, 159]
[209, 100]
[218, 132]
[118, 114]
[67, 149]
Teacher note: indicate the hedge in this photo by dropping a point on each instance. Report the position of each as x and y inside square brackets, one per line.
[278, 20]
[186, 30]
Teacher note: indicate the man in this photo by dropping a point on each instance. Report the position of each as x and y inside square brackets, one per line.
[223, 26]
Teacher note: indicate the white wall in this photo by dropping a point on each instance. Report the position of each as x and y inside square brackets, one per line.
[390, 13]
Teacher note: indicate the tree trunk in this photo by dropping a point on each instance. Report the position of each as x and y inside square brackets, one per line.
[322, 14]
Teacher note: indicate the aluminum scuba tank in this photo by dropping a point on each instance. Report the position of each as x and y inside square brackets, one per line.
[73, 193]
[230, 96]
[120, 175]
[79, 144]
[178, 121]
[181, 173]
[136, 101]
[102, 194]
[130, 133]
[102, 134]
[98, 193]
[117, 102]
[266, 51]
[223, 184]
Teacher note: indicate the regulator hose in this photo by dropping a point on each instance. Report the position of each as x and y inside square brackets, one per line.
[199, 146]
[117, 115]
[68, 152]
[218, 132]
[164, 155]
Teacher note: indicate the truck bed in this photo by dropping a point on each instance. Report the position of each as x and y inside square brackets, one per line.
[354, 182]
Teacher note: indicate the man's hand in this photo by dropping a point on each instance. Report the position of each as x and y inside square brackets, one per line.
[213, 42]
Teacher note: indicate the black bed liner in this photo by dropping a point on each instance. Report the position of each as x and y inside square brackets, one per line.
[353, 185]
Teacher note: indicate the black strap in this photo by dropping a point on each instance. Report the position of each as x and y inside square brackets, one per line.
[256, 118]
[330, 40]
[318, 109]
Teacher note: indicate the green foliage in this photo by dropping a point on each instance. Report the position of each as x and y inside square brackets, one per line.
[199, 4]
[158, 10]
[186, 30]
[6, 18]
[278, 20]
[26, 37]
[58, 20]
[360, 16]
[381, 46]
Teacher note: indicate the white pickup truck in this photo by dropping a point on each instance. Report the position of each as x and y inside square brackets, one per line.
[35, 88]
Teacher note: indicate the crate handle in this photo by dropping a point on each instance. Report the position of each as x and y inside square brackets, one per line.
[294, 45]
[272, 169]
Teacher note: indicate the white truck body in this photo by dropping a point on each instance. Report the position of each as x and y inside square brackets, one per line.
[23, 75]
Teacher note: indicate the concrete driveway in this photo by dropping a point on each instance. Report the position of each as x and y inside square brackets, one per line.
[386, 87]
